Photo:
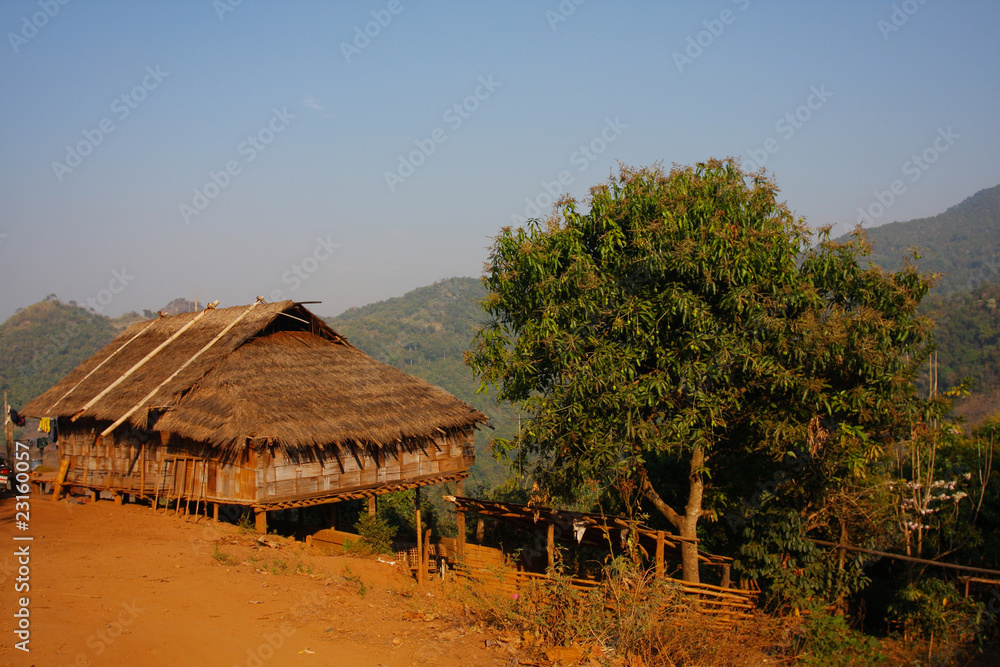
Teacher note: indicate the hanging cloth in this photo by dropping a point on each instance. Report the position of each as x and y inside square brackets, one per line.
[16, 418]
[43, 425]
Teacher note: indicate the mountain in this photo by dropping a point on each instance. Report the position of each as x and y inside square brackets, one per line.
[963, 243]
[426, 333]
[40, 344]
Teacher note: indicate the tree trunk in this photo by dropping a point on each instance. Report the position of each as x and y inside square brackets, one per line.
[686, 524]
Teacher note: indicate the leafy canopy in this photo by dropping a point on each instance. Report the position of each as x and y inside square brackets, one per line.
[686, 312]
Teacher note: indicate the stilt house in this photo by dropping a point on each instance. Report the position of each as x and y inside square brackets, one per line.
[263, 406]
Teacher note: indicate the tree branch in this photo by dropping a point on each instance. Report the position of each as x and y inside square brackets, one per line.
[652, 496]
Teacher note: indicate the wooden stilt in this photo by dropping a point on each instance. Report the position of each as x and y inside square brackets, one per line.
[260, 520]
[725, 576]
[215, 512]
[118, 499]
[371, 506]
[460, 521]
[421, 572]
[480, 530]
[156, 485]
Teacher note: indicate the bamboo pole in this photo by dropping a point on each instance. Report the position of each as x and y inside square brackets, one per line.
[142, 362]
[187, 363]
[909, 559]
[95, 368]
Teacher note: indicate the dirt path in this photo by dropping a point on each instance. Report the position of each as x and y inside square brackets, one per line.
[114, 585]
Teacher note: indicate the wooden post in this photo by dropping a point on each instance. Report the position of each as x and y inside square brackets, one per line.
[60, 478]
[725, 576]
[260, 520]
[421, 572]
[371, 506]
[659, 553]
[8, 430]
[460, 521]
[427, 553]
[480, 530]
[118, 498]
[550, 545]
[156, 486]
[215, 512]
[94, 495]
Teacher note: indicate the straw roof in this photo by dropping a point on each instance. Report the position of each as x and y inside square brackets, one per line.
[279, 376]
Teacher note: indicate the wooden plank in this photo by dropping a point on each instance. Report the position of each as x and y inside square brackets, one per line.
[60, 479]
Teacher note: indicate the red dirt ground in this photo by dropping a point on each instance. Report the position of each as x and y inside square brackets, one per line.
[120, 585]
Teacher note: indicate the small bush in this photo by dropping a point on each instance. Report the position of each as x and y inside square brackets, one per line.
[376, 533]
[933, 609]
[829, 641]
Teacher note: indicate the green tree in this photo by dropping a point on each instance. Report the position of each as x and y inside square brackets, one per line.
[685, 315]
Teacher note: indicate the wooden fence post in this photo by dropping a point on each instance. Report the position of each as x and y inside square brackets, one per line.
[550, 545]
[659, 553]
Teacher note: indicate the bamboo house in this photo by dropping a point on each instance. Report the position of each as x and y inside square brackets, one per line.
[262, 406]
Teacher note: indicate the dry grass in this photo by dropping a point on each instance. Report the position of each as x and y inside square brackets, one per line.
[632, 619]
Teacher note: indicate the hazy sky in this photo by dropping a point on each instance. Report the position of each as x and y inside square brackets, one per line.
[349, 152]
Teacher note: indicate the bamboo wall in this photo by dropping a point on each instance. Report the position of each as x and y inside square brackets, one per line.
[146, 464]
[364, 468]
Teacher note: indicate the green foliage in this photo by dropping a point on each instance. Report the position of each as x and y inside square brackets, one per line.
[686, 316]
[793, 572]
[934, 609]
[40, 344]
[376, 533]
[828, 641]
[968, 335]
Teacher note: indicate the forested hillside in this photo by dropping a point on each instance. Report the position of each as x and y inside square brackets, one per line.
[43, 342]
[426, 333]
[963, 243]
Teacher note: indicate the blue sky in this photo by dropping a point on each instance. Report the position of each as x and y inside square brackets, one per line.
[224, 150]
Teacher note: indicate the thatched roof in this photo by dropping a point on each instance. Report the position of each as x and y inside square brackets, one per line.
[279, 376]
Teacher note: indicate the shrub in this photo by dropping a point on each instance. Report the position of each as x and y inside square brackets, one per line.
[376, 533]
[934, 609]
[829, 641]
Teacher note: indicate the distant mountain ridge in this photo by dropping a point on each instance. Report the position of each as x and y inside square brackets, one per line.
[963, 243]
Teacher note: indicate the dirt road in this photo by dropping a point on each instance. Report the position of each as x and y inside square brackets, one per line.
[120, 585]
